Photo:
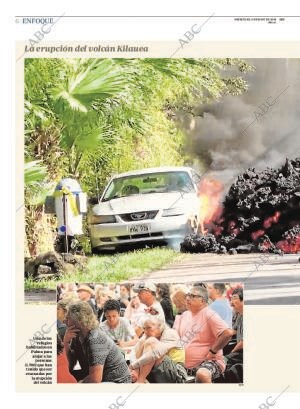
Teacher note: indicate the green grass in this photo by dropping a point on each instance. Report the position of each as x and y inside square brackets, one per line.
[114, 268]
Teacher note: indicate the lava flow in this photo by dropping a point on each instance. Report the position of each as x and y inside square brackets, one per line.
[291, 244]
[260, 213]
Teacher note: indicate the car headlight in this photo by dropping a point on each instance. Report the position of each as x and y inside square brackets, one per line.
[173, 211]
[95, 219]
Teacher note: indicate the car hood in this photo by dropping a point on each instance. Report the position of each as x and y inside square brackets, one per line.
[146, 202]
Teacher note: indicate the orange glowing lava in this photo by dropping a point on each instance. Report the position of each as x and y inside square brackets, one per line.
[272, 219]
[290, 245]
[256, 234]
[210, 195]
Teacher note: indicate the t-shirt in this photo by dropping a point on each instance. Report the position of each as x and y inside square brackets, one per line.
[198, 332]
[123, 331]
[221, 306]
[157, 307]
[238, 326]
[101, 350]
[170, 340]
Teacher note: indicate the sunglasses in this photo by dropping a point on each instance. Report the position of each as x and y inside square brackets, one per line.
[189, 295]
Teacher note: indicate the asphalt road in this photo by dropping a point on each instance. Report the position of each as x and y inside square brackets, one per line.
[269, 279]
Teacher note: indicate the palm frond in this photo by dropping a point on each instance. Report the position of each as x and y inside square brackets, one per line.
[36, 195]
[100, 80]
[34, 172]
[88, 139]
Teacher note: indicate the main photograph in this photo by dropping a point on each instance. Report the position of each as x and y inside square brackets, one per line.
[169, 169]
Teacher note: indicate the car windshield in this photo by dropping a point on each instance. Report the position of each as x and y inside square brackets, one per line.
[160, 182]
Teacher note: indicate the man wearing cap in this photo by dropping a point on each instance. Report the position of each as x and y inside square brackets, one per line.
[147, 295]
[85, 293]
[204, 334]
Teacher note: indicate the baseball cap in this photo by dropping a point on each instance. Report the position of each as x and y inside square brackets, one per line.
[144, 286]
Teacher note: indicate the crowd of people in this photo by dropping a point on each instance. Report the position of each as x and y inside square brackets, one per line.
[146, 332]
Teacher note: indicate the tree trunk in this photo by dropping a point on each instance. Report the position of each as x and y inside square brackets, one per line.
[40, 231]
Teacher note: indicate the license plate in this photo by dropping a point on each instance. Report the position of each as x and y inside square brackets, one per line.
[138, 228]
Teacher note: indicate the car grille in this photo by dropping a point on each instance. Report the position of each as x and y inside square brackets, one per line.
[137, 216]
[140, 236]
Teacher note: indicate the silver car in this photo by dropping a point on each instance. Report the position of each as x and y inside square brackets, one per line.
[146, 206]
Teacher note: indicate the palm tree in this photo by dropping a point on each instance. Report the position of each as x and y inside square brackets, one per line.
[36, 190]
[71, 105]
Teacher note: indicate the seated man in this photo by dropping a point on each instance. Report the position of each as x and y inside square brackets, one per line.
[104, 359]
[147, 295]
[204, 334]
[236, 355]
[116, 327]
[157, 354]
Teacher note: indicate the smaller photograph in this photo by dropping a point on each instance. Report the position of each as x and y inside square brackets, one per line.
[146, 332]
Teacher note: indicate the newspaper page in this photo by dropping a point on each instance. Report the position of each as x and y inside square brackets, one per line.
[158, 177]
